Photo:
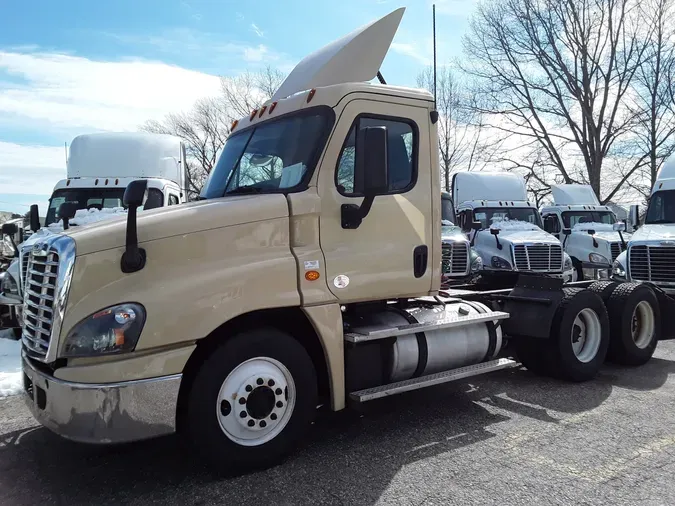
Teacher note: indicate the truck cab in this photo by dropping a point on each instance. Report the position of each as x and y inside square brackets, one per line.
[650, 256]
[505, 228]
[589, 232]
[461, 262]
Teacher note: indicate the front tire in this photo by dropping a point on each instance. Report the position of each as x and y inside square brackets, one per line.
[252, 400]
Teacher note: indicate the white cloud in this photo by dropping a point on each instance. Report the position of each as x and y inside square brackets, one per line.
[413, 51]
[256, 54]
[30, 169]
[77, 93]
[257, 30]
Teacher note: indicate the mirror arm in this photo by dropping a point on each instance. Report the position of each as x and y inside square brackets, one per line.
[353, 214]
[623, 241]
[499, 245]
[133, 258]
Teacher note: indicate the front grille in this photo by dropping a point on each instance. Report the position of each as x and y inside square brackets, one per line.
[39, 294]
[455, 258]
[24, 267]
[650, 263]
[538, 257]
[615, 249]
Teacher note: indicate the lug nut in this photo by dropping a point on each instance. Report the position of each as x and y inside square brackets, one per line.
[273, 416]
[251, 423]
[263, 423]
[249, 388]
[270, 383]
[242, 400]
[225, 408]
[242, 414]
[278, 391]
[280, 404]
[260, 381]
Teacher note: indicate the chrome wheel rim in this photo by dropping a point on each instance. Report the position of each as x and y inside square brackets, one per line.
[586, 335]
[256, 401]
[643, 324]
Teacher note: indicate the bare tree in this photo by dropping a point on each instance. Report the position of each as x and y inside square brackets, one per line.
[462, 140]
[556, 72]
[206, 127]
[652, 139]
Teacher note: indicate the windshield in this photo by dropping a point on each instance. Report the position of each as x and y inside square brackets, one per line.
[95, 198]
[661, 208]
[572, 218]
[487, 216]
[272, 157]
[447, 211]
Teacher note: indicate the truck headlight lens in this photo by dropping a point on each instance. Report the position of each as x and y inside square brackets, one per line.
[618, 270]
[500, 263]
[568, 263]
[115, 329]
[9, 286]
[597, 258]
[477, 264]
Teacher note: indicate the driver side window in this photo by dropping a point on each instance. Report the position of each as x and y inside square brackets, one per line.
[401, 155]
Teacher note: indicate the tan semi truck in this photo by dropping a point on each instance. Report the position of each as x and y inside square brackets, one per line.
[308, 274]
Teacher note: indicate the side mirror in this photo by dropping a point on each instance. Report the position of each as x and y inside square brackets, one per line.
[550, 223]
[371, 174]
[634, 216]
[9, 229]
[371, 167]
[476, 225]
[34, 218]
[133, 258]
[619, 227]
[67, 211]
[590, 231]
[567, 231]
[494, 231]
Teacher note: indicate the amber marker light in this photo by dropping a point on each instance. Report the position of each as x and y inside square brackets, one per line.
[311, 275]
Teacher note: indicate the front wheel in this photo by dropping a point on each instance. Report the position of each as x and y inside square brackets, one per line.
[252, 400]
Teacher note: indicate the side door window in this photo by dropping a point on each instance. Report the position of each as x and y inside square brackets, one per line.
[552, 224]
[402, 148]
[173, 199]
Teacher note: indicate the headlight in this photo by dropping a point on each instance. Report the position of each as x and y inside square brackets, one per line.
[114, 329]
[9, 286]
[618, 270]
[568, 265]
[477, 264]
[500, 263]
[597, 258]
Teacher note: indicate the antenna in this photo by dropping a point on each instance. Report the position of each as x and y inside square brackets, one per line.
[434, 37]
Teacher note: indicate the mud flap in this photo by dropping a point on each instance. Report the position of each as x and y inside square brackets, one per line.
[532, 304]
[667, 306]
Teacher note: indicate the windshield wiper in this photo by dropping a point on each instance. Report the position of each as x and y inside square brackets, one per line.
[245, 189]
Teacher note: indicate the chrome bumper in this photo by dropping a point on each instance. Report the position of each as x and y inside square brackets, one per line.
[102, 413]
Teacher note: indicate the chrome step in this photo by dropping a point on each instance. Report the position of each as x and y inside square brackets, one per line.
[399, 387]
[460, 321]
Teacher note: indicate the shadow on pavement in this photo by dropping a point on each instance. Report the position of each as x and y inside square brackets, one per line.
[351, 457]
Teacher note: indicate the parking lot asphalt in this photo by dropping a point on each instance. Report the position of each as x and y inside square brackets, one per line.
[505, 438]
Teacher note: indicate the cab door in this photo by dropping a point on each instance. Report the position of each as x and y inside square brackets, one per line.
[388, 254]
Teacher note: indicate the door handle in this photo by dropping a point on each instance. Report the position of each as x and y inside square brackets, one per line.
[420, 257]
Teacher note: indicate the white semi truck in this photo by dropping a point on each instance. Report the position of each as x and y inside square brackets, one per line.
[308, 274]
[461, 263]
[650, 256]
[99, 168]
[589, 232]
[505, 228]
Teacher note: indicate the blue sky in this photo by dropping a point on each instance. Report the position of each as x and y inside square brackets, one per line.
[77, 66]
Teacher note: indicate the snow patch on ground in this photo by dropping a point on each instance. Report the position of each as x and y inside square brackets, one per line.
[598, 227]
[513, 225]
[11, 381]
[88, 216]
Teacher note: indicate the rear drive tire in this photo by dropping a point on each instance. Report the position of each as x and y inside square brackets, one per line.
[579, 335]
[635, 323]
[252, 400]
[534, 354]
[603, 288]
